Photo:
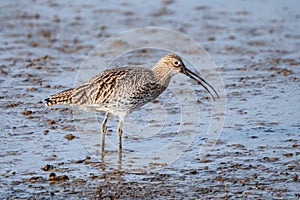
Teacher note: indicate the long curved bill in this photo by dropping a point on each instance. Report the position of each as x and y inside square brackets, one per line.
[201, 82]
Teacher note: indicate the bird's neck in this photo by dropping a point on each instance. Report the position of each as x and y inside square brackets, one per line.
[163, 74]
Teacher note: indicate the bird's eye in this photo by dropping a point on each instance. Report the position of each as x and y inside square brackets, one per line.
[176, 63]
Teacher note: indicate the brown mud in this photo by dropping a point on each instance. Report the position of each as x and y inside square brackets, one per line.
[256, 48]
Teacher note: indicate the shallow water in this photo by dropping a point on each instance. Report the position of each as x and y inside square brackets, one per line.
[256, 48]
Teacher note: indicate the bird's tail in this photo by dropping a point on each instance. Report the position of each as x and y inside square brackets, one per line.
[64, 97]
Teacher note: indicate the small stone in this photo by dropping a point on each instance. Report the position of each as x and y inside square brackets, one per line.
[51, 122]
[295, 177]
[35, 179]
[219, 178]
[295, 145]
[211, 38]
[194, 171]
[47, 167]
[52, 176]
[69, 137]
[62, 178]
[288, 154]
[27, 112]
[204, 160]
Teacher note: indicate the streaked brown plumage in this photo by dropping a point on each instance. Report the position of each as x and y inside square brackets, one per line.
[120, 91]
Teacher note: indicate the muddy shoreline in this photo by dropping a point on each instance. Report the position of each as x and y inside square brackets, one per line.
[256, 48]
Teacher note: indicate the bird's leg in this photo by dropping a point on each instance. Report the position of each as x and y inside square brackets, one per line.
[120, 161]
[120, 134]
[103, 132]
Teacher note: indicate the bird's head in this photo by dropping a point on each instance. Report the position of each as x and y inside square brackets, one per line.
[176, 65]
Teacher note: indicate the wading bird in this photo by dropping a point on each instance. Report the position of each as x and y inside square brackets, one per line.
[120, 91]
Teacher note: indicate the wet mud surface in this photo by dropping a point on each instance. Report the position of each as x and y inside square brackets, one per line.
[256, 48]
